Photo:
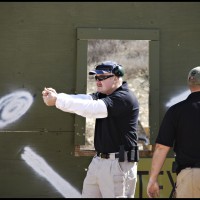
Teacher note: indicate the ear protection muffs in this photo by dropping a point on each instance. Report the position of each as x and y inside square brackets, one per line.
[118, 70]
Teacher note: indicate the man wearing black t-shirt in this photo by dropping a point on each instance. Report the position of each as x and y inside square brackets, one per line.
[113, 170]
[180, 129]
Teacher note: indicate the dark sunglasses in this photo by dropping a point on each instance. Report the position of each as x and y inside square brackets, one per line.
[101, 78]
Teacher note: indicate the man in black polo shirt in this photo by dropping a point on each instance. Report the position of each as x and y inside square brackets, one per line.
[113, 170]
[180, 129]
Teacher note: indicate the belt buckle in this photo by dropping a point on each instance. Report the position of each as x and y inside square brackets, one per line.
[112, 156]
[103, 155]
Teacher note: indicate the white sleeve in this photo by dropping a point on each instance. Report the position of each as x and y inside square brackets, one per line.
[82, 105]
[82, 96]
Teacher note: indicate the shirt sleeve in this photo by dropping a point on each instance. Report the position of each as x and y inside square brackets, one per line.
[82, 105]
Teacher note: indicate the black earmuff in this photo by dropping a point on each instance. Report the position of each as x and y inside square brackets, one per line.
[118, 70]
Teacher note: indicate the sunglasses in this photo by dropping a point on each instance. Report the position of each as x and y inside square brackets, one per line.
[101, 78]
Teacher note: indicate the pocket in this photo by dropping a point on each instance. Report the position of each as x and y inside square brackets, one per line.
[183, 176]
[125, 178]
[93, 165]
[129, 169]
[127, 166]
[120, 167]
[119, 185]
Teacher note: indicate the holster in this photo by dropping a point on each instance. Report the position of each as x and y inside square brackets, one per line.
[174, 167]
[121, 153]
[133, 154]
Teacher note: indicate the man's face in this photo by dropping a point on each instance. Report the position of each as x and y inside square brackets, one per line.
[105, 83]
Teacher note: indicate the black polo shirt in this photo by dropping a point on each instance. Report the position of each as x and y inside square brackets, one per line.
[181, 128]
[120, 127]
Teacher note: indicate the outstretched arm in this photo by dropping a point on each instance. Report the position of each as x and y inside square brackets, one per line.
[81, 104]
[158, 159]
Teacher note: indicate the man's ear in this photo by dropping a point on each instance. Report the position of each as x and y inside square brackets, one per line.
[116, 78]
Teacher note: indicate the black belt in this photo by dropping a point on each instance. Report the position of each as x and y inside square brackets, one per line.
[107, 155]
[196, 165]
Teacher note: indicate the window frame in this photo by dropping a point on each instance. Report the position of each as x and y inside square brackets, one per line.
[85, 34]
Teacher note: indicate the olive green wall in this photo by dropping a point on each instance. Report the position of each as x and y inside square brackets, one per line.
[38, 48]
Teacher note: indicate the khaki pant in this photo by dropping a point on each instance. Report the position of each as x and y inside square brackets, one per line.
[109, 178]
[188, 183]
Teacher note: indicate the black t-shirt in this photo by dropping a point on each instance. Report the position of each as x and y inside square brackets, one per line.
[120, 127]
[181, 128]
